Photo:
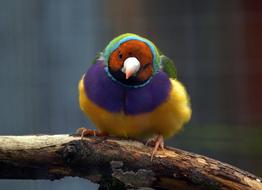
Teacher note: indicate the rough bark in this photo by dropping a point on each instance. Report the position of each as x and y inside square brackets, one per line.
[115, 163]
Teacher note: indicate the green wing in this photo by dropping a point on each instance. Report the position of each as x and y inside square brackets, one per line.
[168, 66]
[98, 55]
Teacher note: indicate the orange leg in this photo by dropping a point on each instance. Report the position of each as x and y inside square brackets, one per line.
[158, 142]
[84, 132]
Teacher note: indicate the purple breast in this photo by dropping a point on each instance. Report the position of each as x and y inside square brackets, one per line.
[114, 97]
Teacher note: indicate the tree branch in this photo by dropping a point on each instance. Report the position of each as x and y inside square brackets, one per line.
[116, 163]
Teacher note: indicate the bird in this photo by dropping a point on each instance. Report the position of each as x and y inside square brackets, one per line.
[131, 90]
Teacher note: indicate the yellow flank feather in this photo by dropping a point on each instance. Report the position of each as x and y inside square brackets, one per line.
[167, 119]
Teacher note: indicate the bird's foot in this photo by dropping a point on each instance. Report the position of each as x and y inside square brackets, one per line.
[157, 142]
[84, 132]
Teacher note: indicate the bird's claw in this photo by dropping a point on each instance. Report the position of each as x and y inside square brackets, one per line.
[84, 132]
[157, 142]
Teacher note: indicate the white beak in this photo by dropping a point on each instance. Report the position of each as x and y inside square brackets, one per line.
[131, 66]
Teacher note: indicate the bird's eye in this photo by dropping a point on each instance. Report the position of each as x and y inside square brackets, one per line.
[120, 55]
[146, 65]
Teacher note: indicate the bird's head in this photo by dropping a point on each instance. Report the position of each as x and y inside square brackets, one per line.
[131, 60]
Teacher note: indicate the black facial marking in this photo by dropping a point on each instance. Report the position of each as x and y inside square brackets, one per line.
[121, 77]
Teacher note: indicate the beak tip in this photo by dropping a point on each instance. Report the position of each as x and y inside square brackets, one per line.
[131, 66]
[127, 76]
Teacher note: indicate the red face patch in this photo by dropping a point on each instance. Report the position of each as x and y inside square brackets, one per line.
[133, 48]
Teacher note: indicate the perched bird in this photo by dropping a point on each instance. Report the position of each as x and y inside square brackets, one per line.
[131, 90]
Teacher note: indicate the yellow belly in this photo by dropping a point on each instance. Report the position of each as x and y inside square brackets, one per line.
[167, 119]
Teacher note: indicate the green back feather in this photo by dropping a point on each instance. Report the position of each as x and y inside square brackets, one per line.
[168, 66]
[98, 55]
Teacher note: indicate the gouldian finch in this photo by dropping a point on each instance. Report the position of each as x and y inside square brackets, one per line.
[131, 90]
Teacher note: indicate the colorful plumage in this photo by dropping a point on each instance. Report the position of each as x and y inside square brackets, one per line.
[131, 90]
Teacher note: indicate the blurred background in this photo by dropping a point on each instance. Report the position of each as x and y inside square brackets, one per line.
[46, 46]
